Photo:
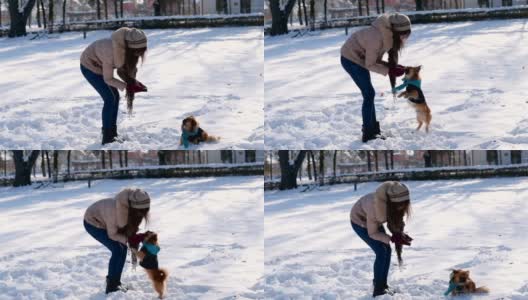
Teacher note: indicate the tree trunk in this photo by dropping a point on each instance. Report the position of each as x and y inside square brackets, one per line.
[120, 153]
[383, 6]
[360, 7]
[308, 168]
[116, 9]
[392, 159]
[368, 7]
[51, 18]
[48, 163]
[305, 12]
[126, 158]
[18, 17]
[121, 7]
[110, 162]
[377, 7]
[63, 14]
[289, 170]
[321, 167]
[335, 164]
[39, 23]
[68, 160]
[314, 166]
[105, 3]
[369, 161]
[326, 10]
[299, 12]
[44, 19]
[0, 13]
[23, 167]
[43, 165]
[312, 14]
[419, 5]
[98, 8]
[376, 160]
[55, 165]
[103, 159]
[386, 156]
[279, 23]
[162, 157]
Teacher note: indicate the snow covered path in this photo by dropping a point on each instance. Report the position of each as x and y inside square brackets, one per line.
[311, 251]
[210, 232]
[474, 78]
[215, 74]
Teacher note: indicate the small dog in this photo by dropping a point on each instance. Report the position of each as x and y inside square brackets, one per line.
[461, 284]
[192, 133]
[148, 259]
[413, 92]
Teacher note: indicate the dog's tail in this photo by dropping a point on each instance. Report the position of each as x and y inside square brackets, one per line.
[160, 275]
[482, 289]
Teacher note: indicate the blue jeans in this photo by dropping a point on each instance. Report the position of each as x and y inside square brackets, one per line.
[119, 251]
[109, 94]
[382, 251]
[361, 77]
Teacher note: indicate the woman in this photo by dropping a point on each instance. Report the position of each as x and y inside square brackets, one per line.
[122, 52]
[113, 222]
[363, 52]
[390, 203]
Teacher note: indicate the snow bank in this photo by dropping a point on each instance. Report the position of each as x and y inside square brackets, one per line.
[210, 231]
[312, 252]
[45, 102]
[473, 79]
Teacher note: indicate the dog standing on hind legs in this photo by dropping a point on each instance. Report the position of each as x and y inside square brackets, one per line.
[148, 259]
[413, 92]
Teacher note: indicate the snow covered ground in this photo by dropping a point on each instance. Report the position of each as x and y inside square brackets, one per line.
[474, 79]
[215, 74]
[311, 251]
[210, 232]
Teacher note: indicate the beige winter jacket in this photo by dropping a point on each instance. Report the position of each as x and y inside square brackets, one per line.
[370, 212]
[367, 46]
[105, 55]
[110, 214]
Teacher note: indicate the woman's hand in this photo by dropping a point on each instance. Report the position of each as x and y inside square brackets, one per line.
[136, 87]
[397, 71]
[135, 239]
[401, 239]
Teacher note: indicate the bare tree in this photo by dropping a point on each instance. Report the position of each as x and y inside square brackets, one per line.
[360, 7]
[335, 164]
[279, 16]
[321, 167]
[63, 13]
[55, 165]
[51, 17]
[23, 166]
[68, 161]
[419, 5]
[98, 8]
[48, 164]
[289, 169]
[18, 17]
[326, 11]
[103, 159]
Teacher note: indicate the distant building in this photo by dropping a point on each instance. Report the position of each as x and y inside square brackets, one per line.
[499, 157]
[232, 7]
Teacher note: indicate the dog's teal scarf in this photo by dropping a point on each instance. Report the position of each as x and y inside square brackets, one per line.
[406, 82]
[151, 248]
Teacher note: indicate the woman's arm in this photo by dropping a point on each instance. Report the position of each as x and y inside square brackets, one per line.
[374, 233]
[373, 49]
[108, 76]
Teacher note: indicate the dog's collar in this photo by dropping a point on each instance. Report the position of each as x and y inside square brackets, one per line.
[417, 83]
[151, 248]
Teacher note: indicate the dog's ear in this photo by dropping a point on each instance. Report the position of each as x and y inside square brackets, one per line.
[419, 68]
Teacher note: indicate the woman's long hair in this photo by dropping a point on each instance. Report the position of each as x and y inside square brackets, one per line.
[135, 217]
[394, 52]
[396, 212]
[128, 72]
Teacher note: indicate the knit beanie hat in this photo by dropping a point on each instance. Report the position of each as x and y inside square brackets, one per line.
[398, 192]
[400, 22]
[136, 38]
[139, 199]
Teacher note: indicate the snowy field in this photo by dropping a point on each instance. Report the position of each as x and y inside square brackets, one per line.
[474, 79]
[311, 251]
[210, 232]
[45, 102]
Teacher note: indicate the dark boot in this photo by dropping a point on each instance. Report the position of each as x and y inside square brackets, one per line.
[377, 131]
[388, 289]
[107, 136]
[379, 289]
[112, 285]
[367, 135]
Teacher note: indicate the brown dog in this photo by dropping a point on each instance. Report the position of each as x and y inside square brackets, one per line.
[463, 284]
[416, 98]
[193, 134]
[149, 261]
